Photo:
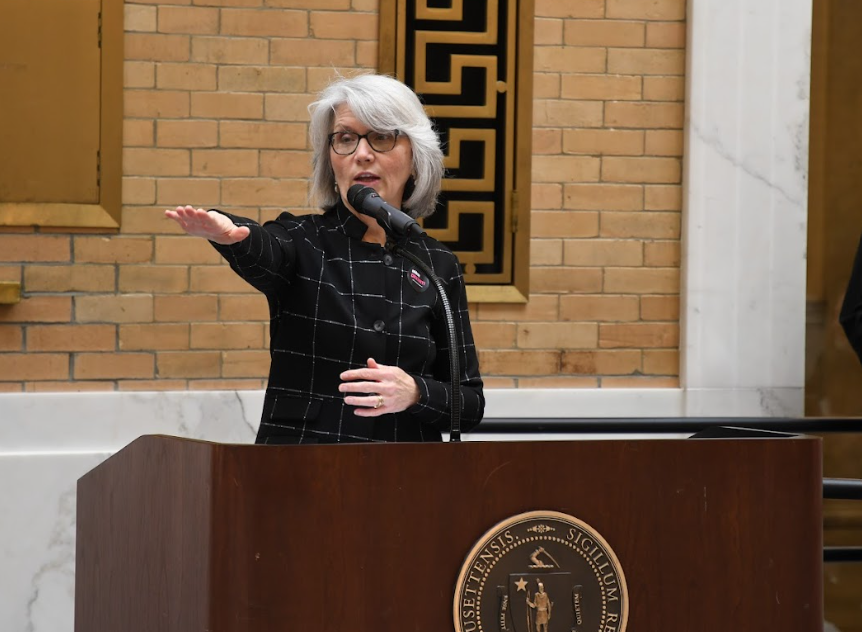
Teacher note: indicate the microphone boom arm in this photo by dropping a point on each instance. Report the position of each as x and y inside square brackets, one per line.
[451, 334]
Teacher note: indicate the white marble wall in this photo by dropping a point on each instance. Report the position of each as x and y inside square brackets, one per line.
[745, 211]
[743, 318]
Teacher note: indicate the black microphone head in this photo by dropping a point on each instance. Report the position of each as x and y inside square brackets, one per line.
[357, 194]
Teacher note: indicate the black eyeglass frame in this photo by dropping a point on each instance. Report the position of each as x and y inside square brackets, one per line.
[359, 138]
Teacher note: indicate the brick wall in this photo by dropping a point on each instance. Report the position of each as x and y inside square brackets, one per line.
[215, 115]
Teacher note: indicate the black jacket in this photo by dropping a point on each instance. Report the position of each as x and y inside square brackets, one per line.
[336, 301]
[851, 309]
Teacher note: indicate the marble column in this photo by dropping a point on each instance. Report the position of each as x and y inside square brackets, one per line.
[745, 206]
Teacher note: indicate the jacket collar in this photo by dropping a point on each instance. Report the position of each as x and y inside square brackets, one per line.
[346, 221]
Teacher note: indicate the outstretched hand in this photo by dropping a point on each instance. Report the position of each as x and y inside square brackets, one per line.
[210, 225]
[386, 389]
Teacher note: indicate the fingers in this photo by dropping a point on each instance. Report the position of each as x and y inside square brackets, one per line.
[384, 389]
[373, 372]
[368, 405]
[240, 233]
[209, 225]
[361, 387]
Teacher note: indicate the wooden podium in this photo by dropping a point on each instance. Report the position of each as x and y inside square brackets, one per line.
[176, 535]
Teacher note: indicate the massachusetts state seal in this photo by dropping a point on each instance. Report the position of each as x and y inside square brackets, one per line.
[541, 571]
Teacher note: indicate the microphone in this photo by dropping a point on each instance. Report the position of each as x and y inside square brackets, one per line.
[395, 222]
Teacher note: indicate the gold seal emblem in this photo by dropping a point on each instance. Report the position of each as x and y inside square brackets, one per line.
[541, 571]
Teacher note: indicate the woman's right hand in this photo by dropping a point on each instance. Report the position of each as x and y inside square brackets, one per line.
[210, 225]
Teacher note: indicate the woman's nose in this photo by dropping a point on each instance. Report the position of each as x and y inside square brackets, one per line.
[363, 150]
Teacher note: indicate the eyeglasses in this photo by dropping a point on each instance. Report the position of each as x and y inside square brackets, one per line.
[345, 143]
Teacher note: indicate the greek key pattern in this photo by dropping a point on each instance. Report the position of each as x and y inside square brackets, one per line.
[459, 57]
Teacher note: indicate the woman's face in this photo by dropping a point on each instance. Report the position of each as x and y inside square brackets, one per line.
[385, 172]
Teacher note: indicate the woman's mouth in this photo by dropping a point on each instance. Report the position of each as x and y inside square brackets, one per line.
[366, 178]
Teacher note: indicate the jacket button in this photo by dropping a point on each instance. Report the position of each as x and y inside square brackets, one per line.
[387, 259]
[379, 325]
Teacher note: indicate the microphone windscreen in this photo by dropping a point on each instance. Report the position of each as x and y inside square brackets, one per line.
[357, 194]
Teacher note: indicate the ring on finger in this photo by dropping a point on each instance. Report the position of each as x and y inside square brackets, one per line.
[379, 402]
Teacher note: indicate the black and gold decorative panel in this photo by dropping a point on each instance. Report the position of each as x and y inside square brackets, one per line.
[471, 64]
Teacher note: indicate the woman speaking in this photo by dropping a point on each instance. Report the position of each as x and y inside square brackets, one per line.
[358, 338]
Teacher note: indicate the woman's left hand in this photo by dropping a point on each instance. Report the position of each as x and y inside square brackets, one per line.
[389, 389]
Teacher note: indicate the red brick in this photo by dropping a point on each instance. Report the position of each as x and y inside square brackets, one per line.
[11, 338]
[638, 335]
[661, 361]
[243, 307]
[225, 162]
[114, 309]
[558, 336]
[151, 278]
[185, 250]
[34, 366]
[246, 363]
[297, 52]
[642, 280]
[152, 337]
[601, 307]
[651, 61]
[227, 106]
[229, 50]
[341, 25]
[644, 225]
[564, 224]
[227, 336]
[156, 47]
[640, 170]
[609, 142]
[569, 59]
[139, 74]
[38, 309]
[264, 23]
[71, 338]
[191, 308]
[603, 197]
[261, 79]
[288, 107]
[94, 366]
[659, 307]
[546, 252]
[539, 308]
[549, 113]
[188, 20]
[285, 164]
[604, 33]
[74, 278]
[34, 248]
[602, 252]
[602, 362]
[139, 191]
[646, 9]
[565, 280]
[519, 362]
[156, 162]
[566, 168]
[217, 279]
[188, 364]
[264, 192]
[570, 8]
[263, 135]
[113, 249]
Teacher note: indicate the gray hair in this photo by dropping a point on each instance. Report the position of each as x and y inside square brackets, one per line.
[383, 104]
